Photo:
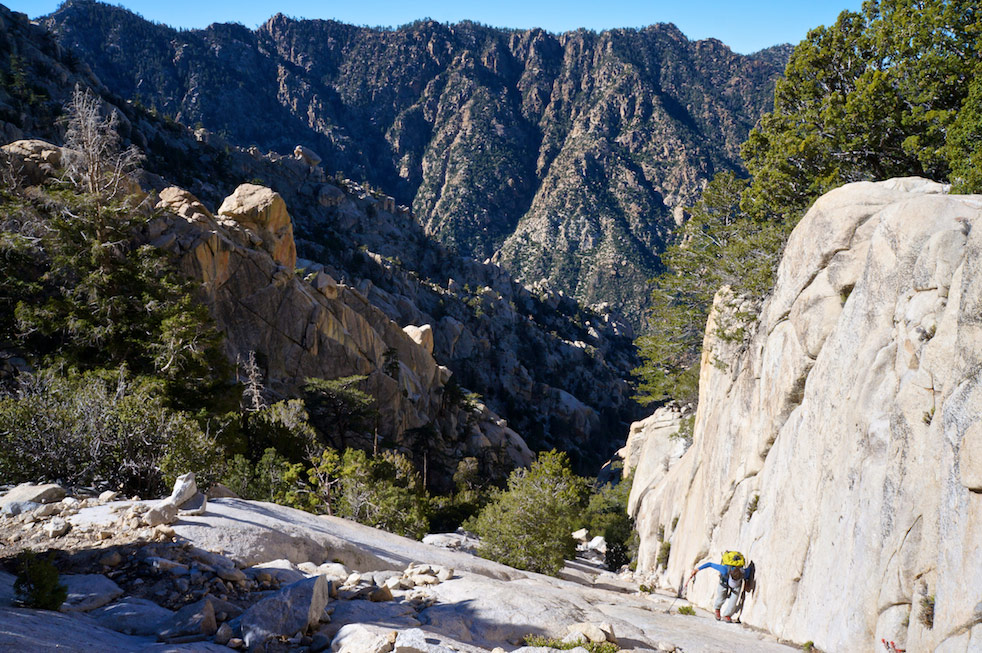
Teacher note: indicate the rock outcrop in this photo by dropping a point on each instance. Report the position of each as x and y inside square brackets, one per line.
[838, 448]
[309, 328]
[568, 156]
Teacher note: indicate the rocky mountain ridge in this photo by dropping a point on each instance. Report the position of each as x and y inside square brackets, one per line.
[564, 157]
[553, 369]
[839, 448]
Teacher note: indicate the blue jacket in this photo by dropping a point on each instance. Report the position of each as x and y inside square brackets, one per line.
[724, 571]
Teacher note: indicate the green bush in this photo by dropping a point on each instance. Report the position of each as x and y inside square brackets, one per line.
[687, 610]
[558, 644]
[528, 525]
[36, 585]
[606, 514]
[663, 552]
[100, 428]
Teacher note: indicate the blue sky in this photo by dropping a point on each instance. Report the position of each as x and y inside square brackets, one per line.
[744, 25]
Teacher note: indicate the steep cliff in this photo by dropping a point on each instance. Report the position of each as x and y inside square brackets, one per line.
[563, 156]
[839, 449]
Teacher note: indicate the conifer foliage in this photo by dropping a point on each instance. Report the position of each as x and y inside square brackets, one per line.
[893, 90]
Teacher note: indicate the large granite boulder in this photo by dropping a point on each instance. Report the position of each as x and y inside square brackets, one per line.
[838, 448]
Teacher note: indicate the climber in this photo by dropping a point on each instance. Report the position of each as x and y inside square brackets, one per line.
[729, 592]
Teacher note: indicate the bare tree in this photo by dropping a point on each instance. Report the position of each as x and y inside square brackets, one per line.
[254, 389]
[96, 158]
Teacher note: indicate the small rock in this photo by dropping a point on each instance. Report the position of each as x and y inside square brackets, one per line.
[108, 496]
[230, 574]
[164, 532]
[166, 565]
[294, 608]
[380, 594]
[219, 491]
[320, 642]
[413, 640]
[195, 505]
[30, 493]
[194, 619]
[46, 510]
[88, 591]
[132, 616]
[666, 646]
[357, 638]
[235, 643]
[184, 489]
[57, 527]
[111, 559]
[14, 508]
[165, 513]
[223, 635]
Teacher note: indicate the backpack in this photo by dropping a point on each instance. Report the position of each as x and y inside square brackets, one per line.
[733, 559]
[749, 578]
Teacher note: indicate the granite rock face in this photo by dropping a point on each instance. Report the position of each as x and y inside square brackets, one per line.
[245, 259]
[839, 448]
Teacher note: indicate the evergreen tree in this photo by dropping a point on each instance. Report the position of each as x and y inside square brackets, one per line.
[528, 525]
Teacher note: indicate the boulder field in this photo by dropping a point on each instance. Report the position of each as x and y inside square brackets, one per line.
[246, 575]
[839, 446]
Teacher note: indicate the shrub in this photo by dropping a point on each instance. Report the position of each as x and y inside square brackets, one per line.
[687, 610]
[558, 644]
[37, 583]
[752, 506]
[99, 428]
[663, 552]
[927, 612]
[606, 514]
[383, 491]
[528, 525]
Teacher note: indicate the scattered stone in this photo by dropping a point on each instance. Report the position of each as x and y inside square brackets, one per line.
[359, 638]
[596, 633]
[235, 643]
[195, 505]
[108, 496]
[184, 489]
[46, 510]
[88, 591]
[165, 513]
[294, 608]
[283, 571]
[132, 616]
[167, 565]
[223, 635]
[219, 491]
[111, 559]
[230, 574]
[14, 508]
[414, 641]
[30, 493]
[196, 619]
[319, 642]
[380, 594]
[57, 527]
[666, 646]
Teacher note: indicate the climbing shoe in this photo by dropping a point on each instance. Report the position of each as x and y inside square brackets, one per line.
[717, 615]
[727, 620]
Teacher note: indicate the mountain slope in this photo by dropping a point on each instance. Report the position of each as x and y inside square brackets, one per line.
[554, 369]
[563, 156]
